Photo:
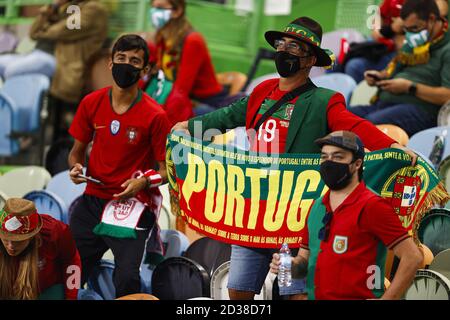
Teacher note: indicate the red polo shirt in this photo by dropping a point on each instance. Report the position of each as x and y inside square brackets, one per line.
[123, 143]
[361, 229]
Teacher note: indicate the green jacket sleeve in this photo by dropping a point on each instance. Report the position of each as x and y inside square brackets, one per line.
[225, 118]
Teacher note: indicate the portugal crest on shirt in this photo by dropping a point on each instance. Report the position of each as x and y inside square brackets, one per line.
[340, 244]
[289, 110]
[114, 127]
[132, 134]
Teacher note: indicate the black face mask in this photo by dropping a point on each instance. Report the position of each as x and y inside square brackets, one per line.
[125, 75]
[335, 175]
[288, 64]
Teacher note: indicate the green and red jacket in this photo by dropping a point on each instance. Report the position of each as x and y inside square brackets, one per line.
[317, 112]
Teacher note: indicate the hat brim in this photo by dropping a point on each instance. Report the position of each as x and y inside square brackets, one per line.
[21, 237]
[323, 141]
[323, 59]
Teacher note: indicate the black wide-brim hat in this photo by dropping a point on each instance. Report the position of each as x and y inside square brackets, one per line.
[306, 30]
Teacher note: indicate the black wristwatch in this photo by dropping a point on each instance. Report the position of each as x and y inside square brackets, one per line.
[412, 89]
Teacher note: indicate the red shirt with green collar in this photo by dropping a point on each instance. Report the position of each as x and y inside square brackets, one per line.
[123, 143]
[346, 265]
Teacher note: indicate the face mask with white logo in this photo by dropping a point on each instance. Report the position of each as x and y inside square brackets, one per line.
[159, 17]
[417, 39]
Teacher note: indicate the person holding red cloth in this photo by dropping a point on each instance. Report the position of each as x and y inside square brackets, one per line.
[128, 130]
[38, 256]
[183, 54]
[285, 115]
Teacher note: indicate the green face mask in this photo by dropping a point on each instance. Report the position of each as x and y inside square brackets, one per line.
[417, 39]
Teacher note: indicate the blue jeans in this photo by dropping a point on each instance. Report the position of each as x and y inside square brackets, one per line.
[249, 268]
[409, 117]
[37, 61]
[357, 66]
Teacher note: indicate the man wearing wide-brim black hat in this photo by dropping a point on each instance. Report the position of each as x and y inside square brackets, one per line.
[291, 126]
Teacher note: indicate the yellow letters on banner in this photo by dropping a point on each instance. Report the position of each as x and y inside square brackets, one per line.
[293, 223]
[255, 176]
[196, 166]
[230, 184]
[215, 170]
[235, 186]
[271, 223]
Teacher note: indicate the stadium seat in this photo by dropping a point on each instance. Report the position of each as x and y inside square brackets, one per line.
[101, 280]
[25, 45]
[444, 115]
[72, 206]
[175, 243]
[8, 42]
[166, 218]
[29, 104]
[396, 133]
[434, 230]
[49, 203]
[253, 83]
[233, 79]
[146, 273]
[362, 94]
[332, 40]
[56, 157]
[209, 253]
[30, 109]
[219, 281]
[68, 191]
[180, 278]
[8, 123]
[88, 294]
[422, 142]
[17, 182]
[3, 198]
[339, 82]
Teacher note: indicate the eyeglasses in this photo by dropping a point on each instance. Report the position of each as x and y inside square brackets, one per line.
[325, 230]
[291, 47]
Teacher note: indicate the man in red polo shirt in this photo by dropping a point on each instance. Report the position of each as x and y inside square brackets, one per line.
[129, 131]
[348, 230]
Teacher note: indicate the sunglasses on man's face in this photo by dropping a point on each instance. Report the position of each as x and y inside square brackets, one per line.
[325, 230]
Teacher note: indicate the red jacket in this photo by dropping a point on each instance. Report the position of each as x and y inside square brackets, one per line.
[58, 257]
[194, 73]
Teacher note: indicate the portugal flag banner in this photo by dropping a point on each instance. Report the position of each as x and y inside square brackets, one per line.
[256, 200]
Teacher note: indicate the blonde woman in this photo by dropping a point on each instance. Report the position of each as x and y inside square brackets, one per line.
[38, 256]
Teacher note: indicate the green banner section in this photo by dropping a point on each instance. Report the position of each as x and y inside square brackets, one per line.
[257, 200]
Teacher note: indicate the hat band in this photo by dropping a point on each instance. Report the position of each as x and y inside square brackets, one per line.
[304, 33]
[19, 224]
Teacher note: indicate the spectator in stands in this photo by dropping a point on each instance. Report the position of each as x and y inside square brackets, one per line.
[183, 54]
[177, 105]
[130, 130]
[391, 29]
[348, 231]
[305, 113]
[41, 59]
[74, 47]
[417, 83]
[38, 256]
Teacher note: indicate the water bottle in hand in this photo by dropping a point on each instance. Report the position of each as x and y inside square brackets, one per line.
[284, 271]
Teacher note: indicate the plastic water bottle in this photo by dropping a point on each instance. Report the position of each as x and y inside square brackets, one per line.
[438, 148]
[284, 271]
